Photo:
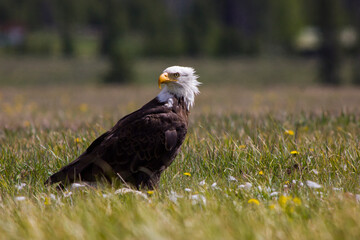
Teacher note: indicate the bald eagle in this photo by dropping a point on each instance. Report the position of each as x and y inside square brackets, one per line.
[142, 144]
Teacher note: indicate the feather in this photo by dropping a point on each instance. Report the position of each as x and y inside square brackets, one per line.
[170, 139]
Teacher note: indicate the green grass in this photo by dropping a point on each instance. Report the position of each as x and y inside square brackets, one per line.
[237, 138]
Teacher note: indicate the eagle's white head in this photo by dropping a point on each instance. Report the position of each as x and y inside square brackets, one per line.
[179, 82]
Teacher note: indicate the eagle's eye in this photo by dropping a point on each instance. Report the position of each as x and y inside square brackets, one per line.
[176, 75]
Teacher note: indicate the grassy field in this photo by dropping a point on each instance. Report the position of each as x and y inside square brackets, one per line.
[252, 72]
[258, 163]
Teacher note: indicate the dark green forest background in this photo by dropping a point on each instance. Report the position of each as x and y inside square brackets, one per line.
[124, 30]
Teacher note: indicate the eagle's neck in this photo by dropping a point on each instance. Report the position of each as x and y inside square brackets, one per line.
[167, 94]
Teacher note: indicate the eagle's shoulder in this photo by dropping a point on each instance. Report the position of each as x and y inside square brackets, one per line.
[155, 112]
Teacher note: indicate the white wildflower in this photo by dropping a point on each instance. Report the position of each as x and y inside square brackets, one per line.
[20, 198]
[202, 183]
[294, 181]
[312, 184]
[231, 178]
[77, 185]
[20, 186]
[198, 198]
[128, 190]
[316, 172]
[214, 186]
[274, 194]
[67, 194]
[174, 196]
[187, 190]
[247, 185]
[357, 197]
[337, 189]
[301, 184]
[345, 167]
[52, 196]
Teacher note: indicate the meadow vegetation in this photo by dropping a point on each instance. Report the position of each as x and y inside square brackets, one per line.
[258, 163]
[28, 71]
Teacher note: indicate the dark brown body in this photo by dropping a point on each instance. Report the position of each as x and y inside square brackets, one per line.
[136, 150]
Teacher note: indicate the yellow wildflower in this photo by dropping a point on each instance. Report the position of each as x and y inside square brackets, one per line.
[254, 201]
[83, 107]
[187, 174]
[242, 146]
[294, 152]
[26, 123]
[289, 132]
[290, 209]
[272, 206]
[261, 173]
[283, 200]
[77, 140]
[150, 192]
[297, 201]
[47, 201]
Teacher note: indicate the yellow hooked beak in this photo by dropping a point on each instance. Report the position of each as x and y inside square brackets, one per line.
[164, 78]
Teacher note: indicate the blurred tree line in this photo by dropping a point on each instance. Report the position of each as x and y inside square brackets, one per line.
[125, 29]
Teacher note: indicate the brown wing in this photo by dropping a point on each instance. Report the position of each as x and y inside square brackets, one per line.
[141, 144]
